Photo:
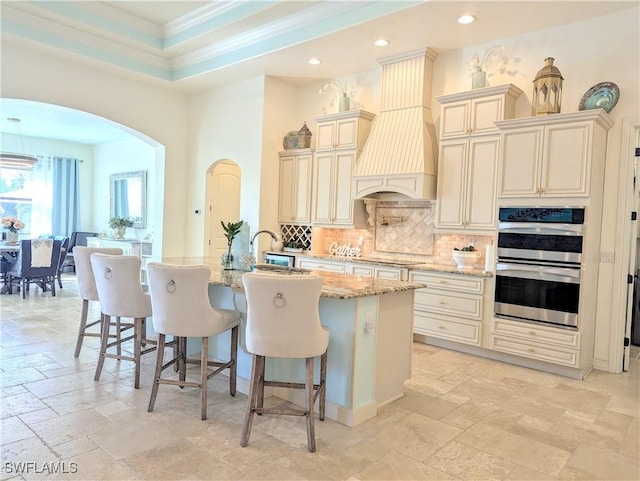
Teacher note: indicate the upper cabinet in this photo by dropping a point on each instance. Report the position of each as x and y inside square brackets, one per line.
[339, 142]
[294, 206]
[560, 155]
[468, 157]
[476, 111]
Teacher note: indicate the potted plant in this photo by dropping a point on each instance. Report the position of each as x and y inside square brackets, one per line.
[231, 230]
[465, 258]
[293, 245]
[120, 225]
[13, 225]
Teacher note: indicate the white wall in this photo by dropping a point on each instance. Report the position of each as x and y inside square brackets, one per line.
[155, 114]
[120, 157]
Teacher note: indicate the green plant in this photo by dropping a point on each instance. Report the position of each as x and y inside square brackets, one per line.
[120, 222]
[231, 230]
[465, 249]
[294, 244]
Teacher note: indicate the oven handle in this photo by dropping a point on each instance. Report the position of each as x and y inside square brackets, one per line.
[557, 274]
[533, 228]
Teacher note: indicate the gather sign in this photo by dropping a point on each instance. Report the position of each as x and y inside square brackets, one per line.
[344, 250]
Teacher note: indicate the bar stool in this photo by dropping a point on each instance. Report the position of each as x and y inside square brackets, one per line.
[121, 295]
[87, 289]
[283, 321]
[181, 308]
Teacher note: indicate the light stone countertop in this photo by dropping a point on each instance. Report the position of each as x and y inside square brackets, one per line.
[411, 265]
[337, 286]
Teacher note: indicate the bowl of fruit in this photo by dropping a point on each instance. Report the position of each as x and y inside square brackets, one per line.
[465, 258]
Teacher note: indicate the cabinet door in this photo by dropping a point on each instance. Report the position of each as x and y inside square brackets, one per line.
[520, 163]
[323, 181]
[484, 113]
[346, 133]
[454, 120]
[294, 202]
[342, 205]
[326, 134]
[566, 163]
[286, 188]
[482, 168]
[451, 183]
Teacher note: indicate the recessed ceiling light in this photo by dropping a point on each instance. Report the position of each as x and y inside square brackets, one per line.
[381, 42]
[465, 19]
[314, 61]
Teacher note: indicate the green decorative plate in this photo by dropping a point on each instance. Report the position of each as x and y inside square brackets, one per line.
[601, 96]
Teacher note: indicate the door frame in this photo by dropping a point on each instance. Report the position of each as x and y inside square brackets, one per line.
[626, 200]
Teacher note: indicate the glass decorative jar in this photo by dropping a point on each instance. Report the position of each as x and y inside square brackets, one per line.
[344, 103]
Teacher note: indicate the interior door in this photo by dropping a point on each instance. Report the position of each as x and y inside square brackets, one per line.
[632, 319]
[223, 199]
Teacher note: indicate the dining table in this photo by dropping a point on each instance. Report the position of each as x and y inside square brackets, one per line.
[9, 252]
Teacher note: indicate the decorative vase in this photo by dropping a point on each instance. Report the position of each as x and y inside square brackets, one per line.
[227, 260]
[120, 232]
[343, 106]
[479, 79]
[12, 237]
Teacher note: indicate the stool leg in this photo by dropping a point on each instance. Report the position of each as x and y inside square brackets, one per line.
[118, 345]
[323, 386]
[251, 402]
[158, 373]
[308, 406]
[262, 363]
[234, 361]
[203, 376]
[104, 337]
[83, 326]
[137, 348]
[182, 364]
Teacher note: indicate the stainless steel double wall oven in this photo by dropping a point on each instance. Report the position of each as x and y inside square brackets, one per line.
[539, 254]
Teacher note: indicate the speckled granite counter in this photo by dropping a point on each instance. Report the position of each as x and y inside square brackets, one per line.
[338, 286]
[450, 269]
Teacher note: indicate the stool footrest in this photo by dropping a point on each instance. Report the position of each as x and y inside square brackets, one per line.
[285, 412]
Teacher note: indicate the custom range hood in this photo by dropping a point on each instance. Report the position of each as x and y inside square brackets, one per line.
[400, 155]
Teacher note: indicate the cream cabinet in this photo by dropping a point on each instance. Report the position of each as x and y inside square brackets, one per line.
[476, 111]
[559, 155]
[377, 271]
[549, 344]
[321, 264]
[468, 157]
[294, 203]
[451, 307]
[340, 138]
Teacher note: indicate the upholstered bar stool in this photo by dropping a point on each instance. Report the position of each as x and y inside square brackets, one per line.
[87, 290]
[121, 296]
[181, 308]
[283, 321]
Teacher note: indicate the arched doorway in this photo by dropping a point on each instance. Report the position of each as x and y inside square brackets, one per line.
[223, 204]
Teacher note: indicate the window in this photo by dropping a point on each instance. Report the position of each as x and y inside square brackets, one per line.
[16, 185]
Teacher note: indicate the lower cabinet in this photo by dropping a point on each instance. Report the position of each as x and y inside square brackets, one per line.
[321, 265]
[550, 344]
[354, 268]
[450, 307]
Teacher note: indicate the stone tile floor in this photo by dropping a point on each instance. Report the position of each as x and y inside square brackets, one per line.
[462, 418]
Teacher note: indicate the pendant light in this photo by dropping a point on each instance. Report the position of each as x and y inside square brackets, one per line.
[17, 158]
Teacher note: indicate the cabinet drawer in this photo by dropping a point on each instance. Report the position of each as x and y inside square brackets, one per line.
[542, 334]
[461, 305]
[459, 330]
[535, 350]
[322, 266]
[361, 270]
[391, 273]
[449, 282]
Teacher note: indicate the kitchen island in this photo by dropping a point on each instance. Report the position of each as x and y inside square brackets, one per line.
[369, 354]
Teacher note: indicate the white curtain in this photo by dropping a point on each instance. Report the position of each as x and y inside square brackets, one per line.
[41, 210]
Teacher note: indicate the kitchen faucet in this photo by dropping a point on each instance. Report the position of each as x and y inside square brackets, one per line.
[273, 236]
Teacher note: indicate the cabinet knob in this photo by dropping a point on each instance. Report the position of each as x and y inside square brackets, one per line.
[533, 333]
[442, 303]
[441, 327]
[531, 350]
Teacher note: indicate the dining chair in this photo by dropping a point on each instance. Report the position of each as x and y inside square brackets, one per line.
[182, 309]
[283, 321]
[36, 263]
[77, 238]
[64, 247]
[121, 296]
[88, 291]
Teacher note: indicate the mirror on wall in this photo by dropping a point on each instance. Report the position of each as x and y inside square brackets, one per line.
[129, 197]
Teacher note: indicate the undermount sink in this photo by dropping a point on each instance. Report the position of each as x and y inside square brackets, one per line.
[281, 269]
